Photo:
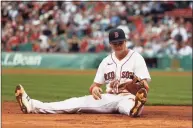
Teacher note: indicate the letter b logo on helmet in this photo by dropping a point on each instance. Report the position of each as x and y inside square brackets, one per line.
[116, 34]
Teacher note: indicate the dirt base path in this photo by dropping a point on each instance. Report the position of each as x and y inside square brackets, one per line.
[153, 117]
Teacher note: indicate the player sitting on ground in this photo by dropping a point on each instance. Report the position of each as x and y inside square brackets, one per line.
[126, 77]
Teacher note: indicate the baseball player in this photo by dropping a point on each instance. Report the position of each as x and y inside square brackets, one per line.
[125, 74]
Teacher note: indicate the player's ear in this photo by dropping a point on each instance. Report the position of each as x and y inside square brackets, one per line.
[111, 44]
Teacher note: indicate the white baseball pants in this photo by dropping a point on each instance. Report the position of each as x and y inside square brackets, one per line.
[109, 103]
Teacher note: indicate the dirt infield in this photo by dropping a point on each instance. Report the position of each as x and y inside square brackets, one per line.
[152, 117]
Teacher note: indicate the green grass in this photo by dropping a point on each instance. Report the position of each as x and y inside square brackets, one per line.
[175, 90]
[164, 90]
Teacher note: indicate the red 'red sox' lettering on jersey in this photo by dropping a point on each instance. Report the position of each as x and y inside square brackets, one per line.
[125, 74]
[109, 75]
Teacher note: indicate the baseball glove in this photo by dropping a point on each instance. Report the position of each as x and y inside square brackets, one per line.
[134, 86]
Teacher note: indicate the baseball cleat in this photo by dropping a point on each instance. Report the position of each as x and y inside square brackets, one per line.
[23, 99]
[140, 99]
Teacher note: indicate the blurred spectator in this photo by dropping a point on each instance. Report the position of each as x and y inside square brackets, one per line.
[138, 48]
[179, 33]
[184, 50]
[74, 44]
[125, 28]
[43, 42]
[148, 50]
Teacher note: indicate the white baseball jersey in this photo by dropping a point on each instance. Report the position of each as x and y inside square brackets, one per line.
[111, 68]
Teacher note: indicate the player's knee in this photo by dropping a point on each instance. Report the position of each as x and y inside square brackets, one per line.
[125, 106]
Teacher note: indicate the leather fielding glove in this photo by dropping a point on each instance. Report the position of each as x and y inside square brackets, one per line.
[96, 92]
[132, 86]
[118, 87]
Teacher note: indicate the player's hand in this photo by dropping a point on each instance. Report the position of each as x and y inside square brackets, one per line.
[134, 78]
[96, 92]
[114, 85]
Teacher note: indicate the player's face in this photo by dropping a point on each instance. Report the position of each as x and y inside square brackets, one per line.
[118, 46]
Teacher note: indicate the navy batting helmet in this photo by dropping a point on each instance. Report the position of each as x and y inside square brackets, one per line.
[116, 35]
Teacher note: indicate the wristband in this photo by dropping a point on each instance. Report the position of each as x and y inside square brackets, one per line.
[91, 88]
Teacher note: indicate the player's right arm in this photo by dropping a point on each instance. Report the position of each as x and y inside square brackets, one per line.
[95, 88]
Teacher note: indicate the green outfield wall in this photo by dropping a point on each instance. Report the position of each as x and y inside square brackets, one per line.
[50, 60]
[81, 61]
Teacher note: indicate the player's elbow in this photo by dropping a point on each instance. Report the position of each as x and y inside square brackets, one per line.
[147, 88]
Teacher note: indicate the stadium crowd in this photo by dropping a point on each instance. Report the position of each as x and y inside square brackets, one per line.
[58, 26]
